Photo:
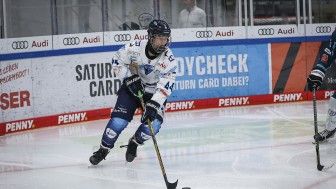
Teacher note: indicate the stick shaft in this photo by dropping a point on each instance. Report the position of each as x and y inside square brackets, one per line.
[168, 184]
[153, 135]
[317, 145]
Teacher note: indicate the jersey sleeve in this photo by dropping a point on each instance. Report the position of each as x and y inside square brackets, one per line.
[120, 62]
[166, 79]
[327, 56]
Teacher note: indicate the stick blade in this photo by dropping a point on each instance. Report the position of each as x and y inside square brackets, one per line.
[171, 185]
[324, 168]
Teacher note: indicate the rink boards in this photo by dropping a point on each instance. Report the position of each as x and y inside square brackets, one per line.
[57, 80]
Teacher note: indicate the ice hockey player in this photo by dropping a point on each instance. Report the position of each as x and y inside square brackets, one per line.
[327, 57]
[155, 78]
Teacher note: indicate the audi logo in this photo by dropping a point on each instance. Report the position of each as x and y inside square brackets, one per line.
[71, 41]
[266, 31]
[122, 37]
[203, 34]
[20, 45]
[323, 29]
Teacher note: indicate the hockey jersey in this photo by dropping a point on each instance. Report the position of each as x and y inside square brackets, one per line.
[157, 75]
[328, 55]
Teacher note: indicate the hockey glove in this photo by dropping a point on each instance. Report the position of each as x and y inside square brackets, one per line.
[134, 84]
[150, 111]
[315, 79]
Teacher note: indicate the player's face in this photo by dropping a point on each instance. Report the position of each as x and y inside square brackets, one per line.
[160, 41]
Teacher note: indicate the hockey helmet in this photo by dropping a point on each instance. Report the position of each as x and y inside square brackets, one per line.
[158, 28]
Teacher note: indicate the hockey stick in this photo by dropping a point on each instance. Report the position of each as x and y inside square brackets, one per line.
[168, 184]
[317, 145]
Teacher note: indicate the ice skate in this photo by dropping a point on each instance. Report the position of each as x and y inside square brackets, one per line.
[131, 151]
[99, 155]
[330, 123]
[324, 135]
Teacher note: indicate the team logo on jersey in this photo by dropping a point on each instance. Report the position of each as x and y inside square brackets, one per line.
[134, 54]
[148, 69]
[324, 58]
[163, 65]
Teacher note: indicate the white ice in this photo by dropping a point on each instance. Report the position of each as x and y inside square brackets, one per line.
[266, 146]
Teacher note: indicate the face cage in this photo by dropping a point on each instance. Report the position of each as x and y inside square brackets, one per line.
[159, 49]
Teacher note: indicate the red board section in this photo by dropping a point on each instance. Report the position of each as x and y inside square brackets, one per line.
[90, 115]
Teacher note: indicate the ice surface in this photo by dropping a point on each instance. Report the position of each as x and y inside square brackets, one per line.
[266, 146]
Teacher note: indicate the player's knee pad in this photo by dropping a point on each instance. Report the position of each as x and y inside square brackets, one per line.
[331, 117]
[112, 131]
[143, 133]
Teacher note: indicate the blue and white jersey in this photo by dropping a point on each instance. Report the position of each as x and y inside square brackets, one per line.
[158, 75]
[328, 54]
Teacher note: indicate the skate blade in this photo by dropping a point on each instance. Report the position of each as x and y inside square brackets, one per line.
[94, 166]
